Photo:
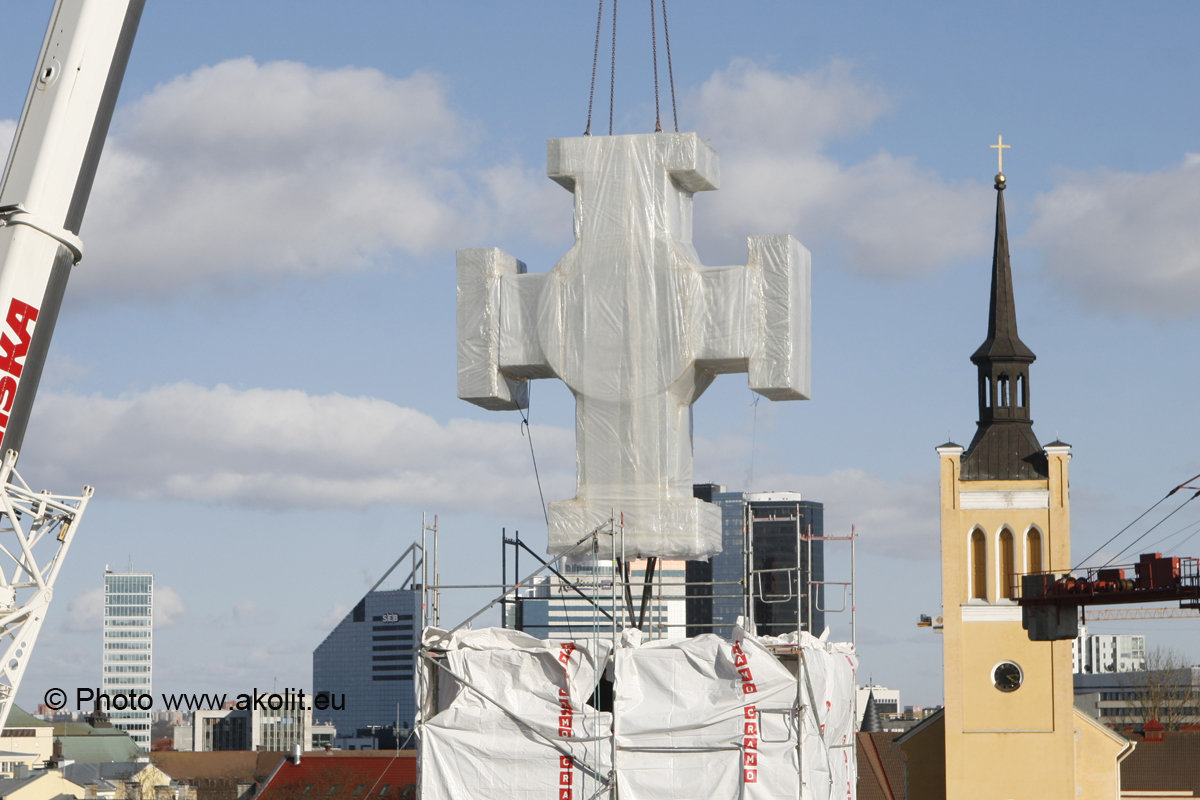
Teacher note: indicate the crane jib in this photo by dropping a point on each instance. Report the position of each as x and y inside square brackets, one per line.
[18, 322]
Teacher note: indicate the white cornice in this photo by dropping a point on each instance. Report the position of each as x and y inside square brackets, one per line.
[992, 499]
[991, 612]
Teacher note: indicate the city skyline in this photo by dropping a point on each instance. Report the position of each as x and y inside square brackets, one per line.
[255, 360]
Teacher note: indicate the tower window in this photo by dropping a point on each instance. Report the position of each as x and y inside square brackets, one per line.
[1002, 385]
[1022, 391]
[1008, 565]
[1033, 549]
[978, 565]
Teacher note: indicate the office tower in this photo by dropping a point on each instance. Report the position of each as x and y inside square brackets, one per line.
[366, 663]
[584, 602]
[128, 648]
[771, 565]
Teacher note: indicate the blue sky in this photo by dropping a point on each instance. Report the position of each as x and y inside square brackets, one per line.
[255, 363]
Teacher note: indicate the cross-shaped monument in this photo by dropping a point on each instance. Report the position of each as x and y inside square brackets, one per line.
[637, 328]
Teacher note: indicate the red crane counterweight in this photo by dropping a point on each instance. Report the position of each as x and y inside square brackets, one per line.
[1050, 601]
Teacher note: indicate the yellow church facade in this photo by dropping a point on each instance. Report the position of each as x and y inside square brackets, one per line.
[1008, 729]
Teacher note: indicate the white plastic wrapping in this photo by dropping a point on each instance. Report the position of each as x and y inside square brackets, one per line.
[828, 689]
[637, 329]
[693, 718]
[697, 717]
[513, 721]
[700, 717]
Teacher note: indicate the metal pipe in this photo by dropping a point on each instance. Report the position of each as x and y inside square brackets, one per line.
[447, 634]
[504, 579]
[560, 576]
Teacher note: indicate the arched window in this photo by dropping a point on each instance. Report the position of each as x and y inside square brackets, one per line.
[1003, 400]
[1033, 550]
[1022, 391]
[978, 565]
[1008, 565]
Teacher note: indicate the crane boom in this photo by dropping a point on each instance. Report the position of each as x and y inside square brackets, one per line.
[46, 185]
[1097, 614]
[43, 193]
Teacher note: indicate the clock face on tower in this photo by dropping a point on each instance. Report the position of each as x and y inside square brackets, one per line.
[1007, 676]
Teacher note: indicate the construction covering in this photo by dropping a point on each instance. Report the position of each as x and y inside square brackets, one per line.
[637, 329]
[504, 715]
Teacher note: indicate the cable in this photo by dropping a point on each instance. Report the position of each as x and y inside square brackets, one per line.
[1111, 539]
[595, 58]
[654, 58]
[753, 441]
[527, 432]
[1152, 527]
[1154, 545]
[612, 73]
[612, 69]
[670, 69]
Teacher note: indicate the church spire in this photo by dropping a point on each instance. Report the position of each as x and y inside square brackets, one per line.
[1004, 447]
[1002, 340]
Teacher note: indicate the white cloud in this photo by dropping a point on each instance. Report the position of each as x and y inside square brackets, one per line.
[337, 612]
[167, 606]
[1125, 242]
[244, 173]
[85, 612]
[245, 611]
[890, 217]
[891, 516]
[765, 110]
[280, 449]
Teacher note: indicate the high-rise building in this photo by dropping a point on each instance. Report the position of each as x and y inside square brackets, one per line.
[1171, 696]
[583, 602]
[365, 665]
[128, 650]
[283, 721]
[1100, 653]
[771, 565]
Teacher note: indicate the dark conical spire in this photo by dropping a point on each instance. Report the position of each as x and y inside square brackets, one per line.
[871, 723]
[1004, 447]
[1002, 340]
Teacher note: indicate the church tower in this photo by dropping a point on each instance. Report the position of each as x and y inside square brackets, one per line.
[1008, 729]
[1009, 702]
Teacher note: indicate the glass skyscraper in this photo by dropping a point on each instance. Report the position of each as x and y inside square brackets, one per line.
[582, 606]
[365, 665]
[128, 649]
[772, 558]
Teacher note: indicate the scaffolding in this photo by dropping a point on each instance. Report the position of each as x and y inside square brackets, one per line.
[757, 588]
[615, 623]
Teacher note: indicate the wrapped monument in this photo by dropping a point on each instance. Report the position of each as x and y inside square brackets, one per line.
[637, 328]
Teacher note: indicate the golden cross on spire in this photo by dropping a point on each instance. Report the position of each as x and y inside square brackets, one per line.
[1000, 147]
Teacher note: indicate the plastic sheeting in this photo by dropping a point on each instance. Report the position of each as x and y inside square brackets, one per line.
[827, 742]
[512, 719]
[693, 718]
[637, 329]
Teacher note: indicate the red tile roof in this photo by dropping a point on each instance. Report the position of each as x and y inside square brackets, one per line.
[245, 766]
[880, 767]
[1171, 764]
[344, 775]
